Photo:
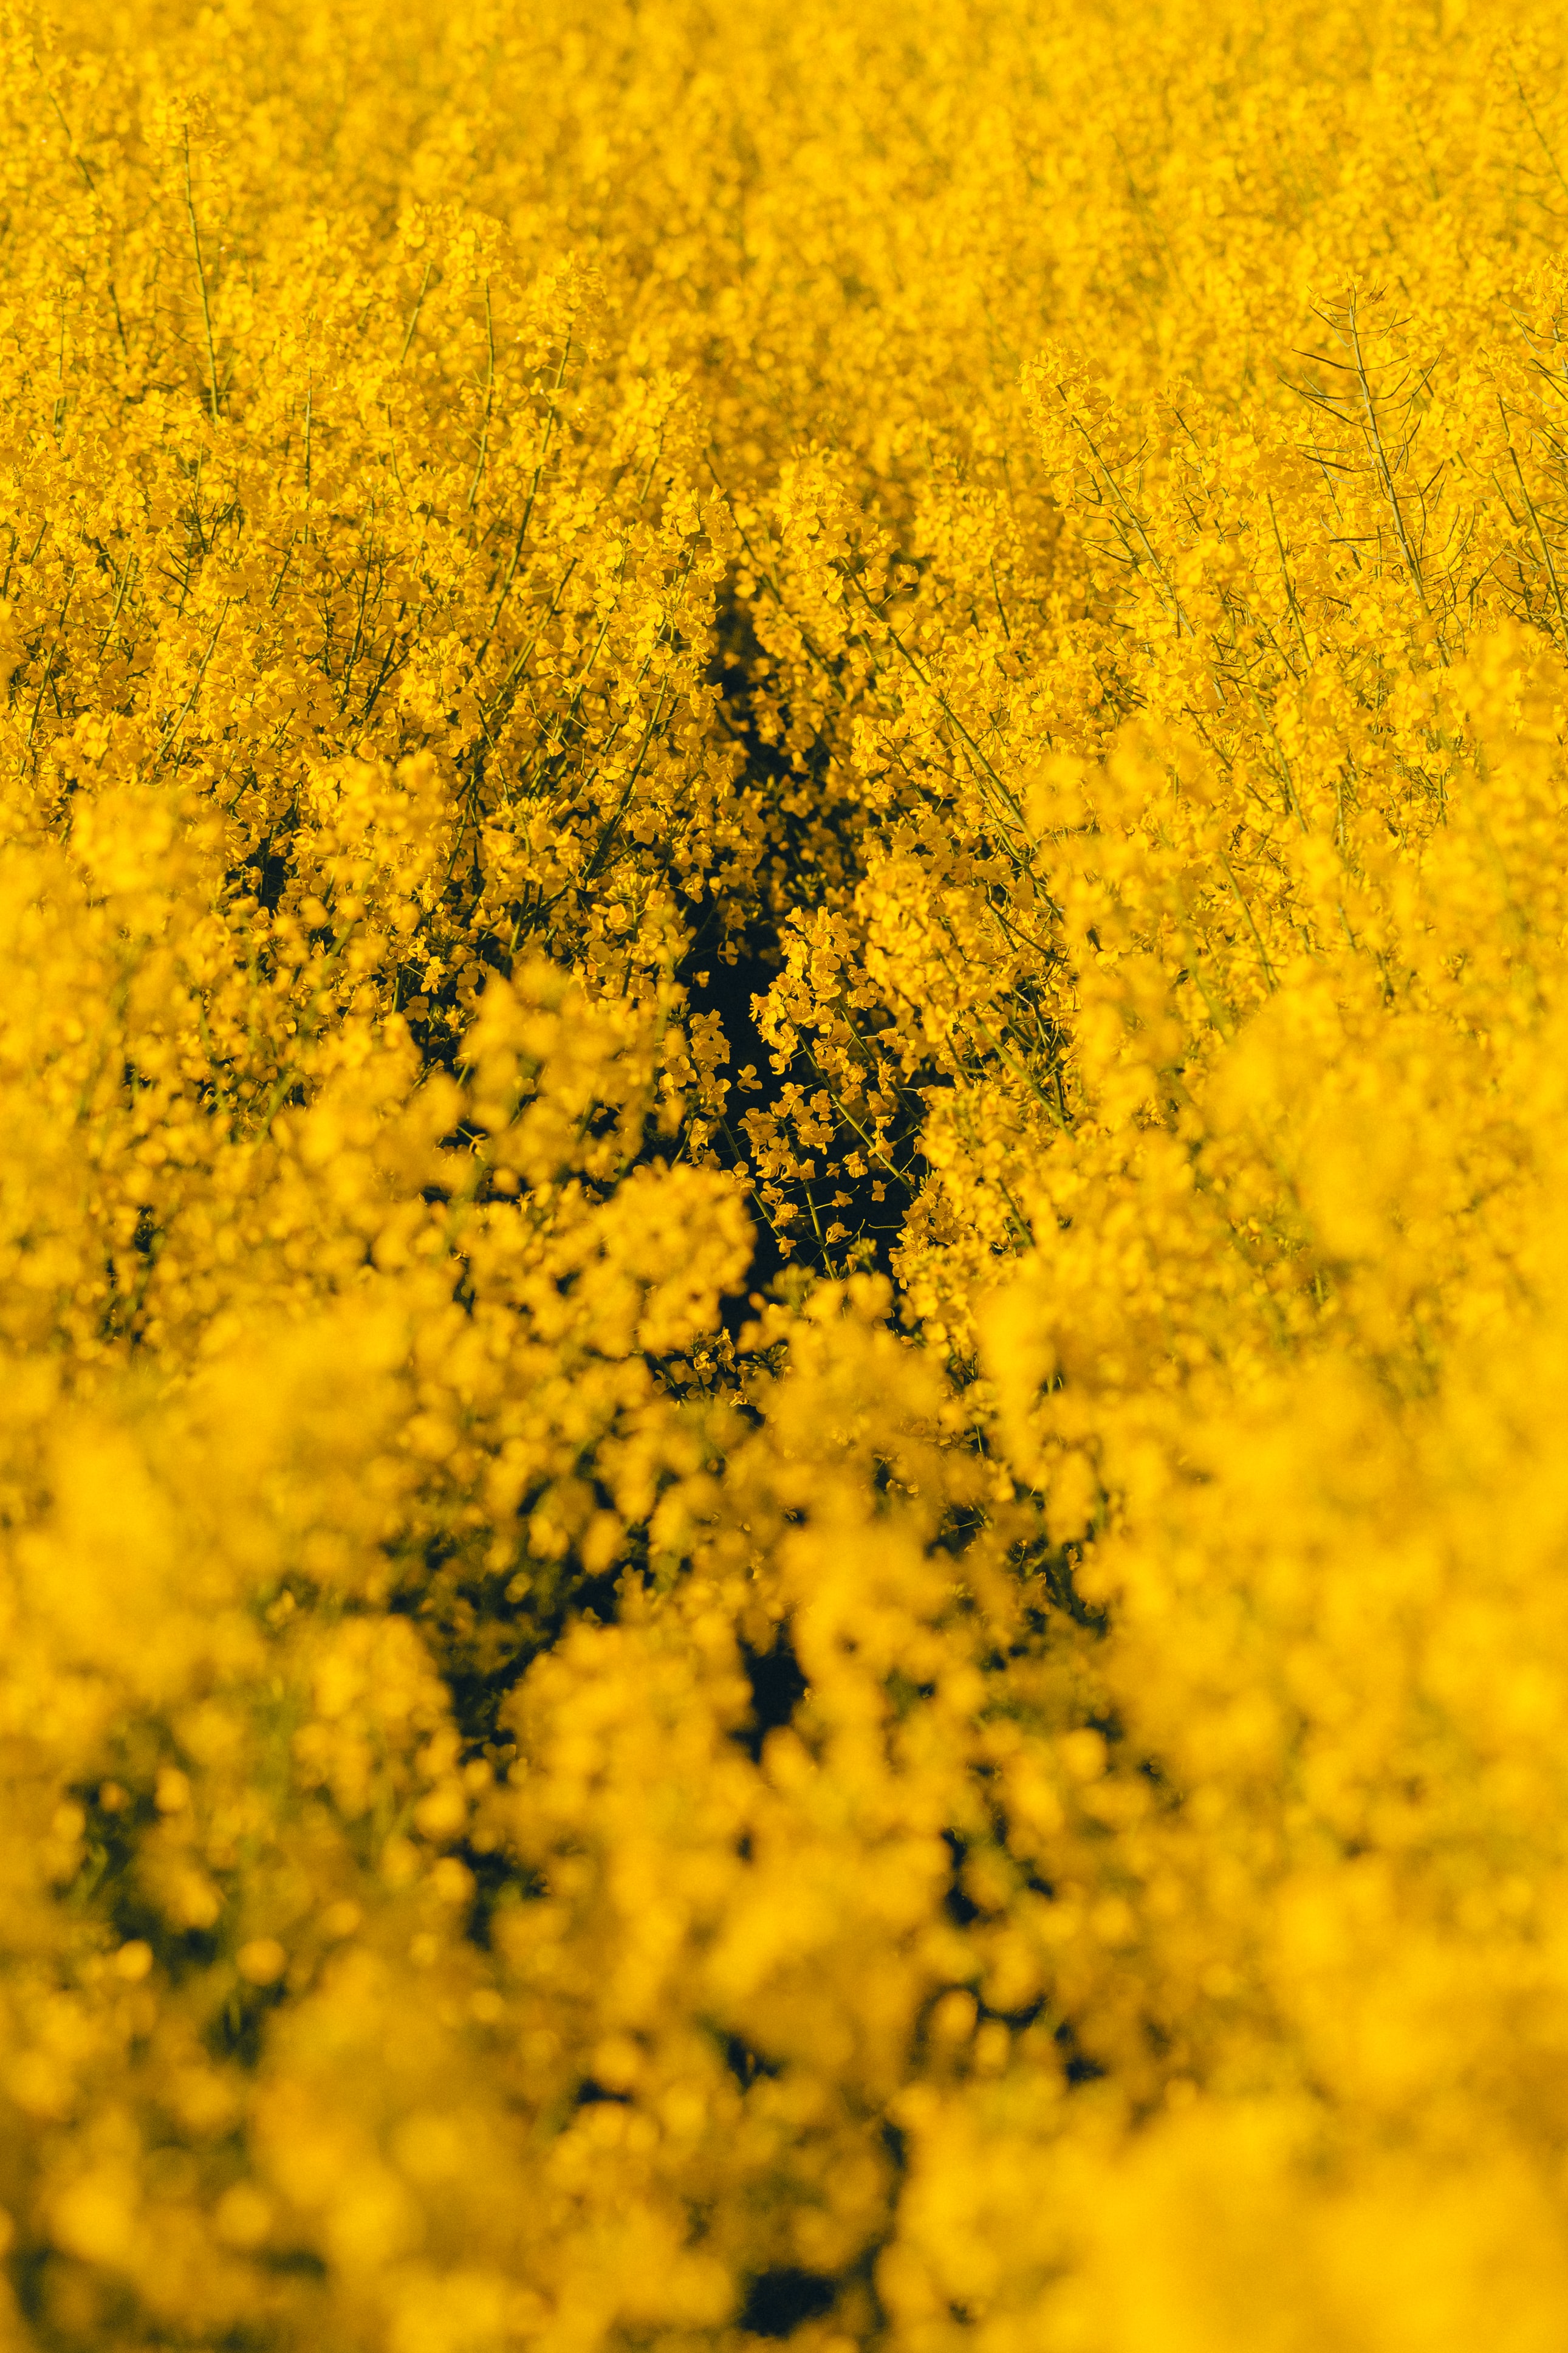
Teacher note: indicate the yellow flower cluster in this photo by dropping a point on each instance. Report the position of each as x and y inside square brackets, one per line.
[784, 1107]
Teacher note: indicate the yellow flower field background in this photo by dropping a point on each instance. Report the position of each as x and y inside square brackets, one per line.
[783, 1176]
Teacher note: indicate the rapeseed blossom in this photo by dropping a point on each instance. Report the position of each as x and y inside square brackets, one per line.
[784, 1107]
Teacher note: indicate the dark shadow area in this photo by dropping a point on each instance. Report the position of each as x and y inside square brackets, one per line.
[730, 991]
[1077, 2064]
[959, 1905]
[777, 2301]
[778, 1686]
[744, 2063]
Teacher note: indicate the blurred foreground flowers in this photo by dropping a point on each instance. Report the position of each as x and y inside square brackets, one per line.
[784, 1116]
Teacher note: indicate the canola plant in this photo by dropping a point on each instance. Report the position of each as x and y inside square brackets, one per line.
[784, 1116]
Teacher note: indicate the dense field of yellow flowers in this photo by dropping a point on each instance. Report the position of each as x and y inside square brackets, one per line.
[783, 1176]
